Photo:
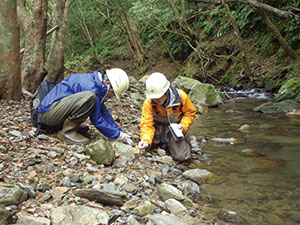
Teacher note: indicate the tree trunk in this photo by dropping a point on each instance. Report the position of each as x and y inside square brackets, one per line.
[10, 79]
[281, 13]
[240, 40]
[292, 53]
[134, 37]
[55, 59]
[34, 29]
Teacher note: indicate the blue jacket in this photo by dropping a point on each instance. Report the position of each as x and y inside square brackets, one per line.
[100, 116]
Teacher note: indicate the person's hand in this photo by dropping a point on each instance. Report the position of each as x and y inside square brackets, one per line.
[125, 138]
[180, 127]
[143, 145]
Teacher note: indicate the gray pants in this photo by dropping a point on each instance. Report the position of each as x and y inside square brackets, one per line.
[76, 108]
[180, 150]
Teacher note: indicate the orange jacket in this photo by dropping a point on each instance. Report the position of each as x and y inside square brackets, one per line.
[187, 110]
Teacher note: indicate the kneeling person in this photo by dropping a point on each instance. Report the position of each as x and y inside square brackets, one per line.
[80, 96]
[164, 105]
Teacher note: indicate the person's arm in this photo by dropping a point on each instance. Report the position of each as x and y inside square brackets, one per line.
[147, 123]
[103, 121]
[189, 111]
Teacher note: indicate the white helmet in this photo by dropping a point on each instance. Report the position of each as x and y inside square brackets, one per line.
[119, 80]
[156, 85]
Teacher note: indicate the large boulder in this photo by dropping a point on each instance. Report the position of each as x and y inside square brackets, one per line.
[290, 90]
[199, 93]
[101, 151]
[278, 107]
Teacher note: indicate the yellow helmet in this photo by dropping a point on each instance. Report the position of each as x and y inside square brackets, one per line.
[156, 85]
[119, 80]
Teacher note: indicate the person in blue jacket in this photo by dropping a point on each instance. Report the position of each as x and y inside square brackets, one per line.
[80, 96]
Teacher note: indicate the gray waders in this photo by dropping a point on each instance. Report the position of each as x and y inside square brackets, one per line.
[70, 111]
[179, 149]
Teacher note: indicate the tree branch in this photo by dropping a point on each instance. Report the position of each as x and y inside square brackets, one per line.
[281, 13]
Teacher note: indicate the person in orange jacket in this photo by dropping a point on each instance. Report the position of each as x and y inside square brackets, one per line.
[166, 105]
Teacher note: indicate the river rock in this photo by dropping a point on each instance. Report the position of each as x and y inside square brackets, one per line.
[132, 221]
[12, 196]
[78, 214]
[167, 191]
[31, 220]
[102, 196]
[167, 219]
[5, 216]
[251, 153]
[198, 175]
[199, 92]
[229, 216]
[144, 209]
[289, 90]
[102, 151]
[278, 107]
[176, 208]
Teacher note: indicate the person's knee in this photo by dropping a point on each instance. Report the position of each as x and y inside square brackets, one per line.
[90, 96]
[182, 158]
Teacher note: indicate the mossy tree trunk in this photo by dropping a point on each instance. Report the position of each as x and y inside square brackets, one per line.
[10, 79]
[238, 35]
[55, 59]
[34, 27]
[291, 52]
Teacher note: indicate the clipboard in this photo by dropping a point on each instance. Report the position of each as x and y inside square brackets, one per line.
[175, 131]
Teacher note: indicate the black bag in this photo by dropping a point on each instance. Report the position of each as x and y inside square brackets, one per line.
[40, 93]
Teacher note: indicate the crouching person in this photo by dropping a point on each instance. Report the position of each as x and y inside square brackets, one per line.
[165, 105]
[80, 96]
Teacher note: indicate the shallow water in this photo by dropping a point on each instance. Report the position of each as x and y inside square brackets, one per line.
[262, 190]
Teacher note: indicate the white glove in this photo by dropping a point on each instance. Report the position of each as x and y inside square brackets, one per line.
[125, 138]
[143, 145]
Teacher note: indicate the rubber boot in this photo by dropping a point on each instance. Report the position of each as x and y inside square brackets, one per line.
[69, 133]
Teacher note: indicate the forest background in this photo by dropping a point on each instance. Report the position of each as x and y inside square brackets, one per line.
[223, 42]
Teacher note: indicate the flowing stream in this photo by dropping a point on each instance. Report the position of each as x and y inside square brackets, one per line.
[264, 189]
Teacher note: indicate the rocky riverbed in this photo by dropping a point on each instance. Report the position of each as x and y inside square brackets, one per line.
[46, 181]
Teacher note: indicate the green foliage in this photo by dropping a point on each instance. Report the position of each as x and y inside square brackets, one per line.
[231, 76]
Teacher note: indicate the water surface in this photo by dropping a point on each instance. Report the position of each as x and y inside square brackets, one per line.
[263, 190]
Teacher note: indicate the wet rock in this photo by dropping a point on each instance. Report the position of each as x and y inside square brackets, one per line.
[289, 90]
[244, 128]
[229, 216]
[223, 140]
[251, 153]
[66, 215]
[277, 107]
[198, 175]
[190, 187]
[295, 112]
